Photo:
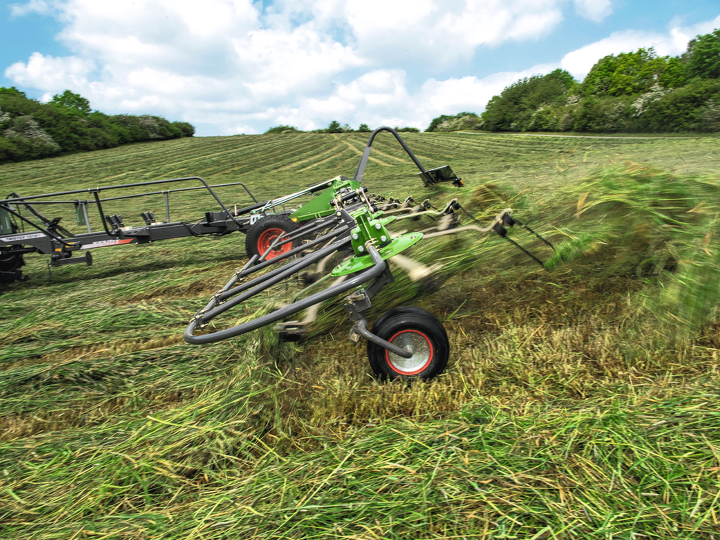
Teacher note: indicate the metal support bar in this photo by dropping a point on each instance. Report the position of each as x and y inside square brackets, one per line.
[49, 233]
[361, 328]
[366, 154]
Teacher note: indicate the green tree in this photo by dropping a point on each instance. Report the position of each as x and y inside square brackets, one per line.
[364, 128]
[283, 129]
[703, 56]
[632, 73]
[12, 91]
[334, 127]
[513, 109]
[72, 101]
[463, 120]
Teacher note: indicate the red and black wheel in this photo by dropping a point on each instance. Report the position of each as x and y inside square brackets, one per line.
[263, 233]
[414, 330]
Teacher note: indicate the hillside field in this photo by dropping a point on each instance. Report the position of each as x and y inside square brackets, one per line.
[580, 402]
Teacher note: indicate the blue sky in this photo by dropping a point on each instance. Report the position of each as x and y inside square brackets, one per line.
[237, 66]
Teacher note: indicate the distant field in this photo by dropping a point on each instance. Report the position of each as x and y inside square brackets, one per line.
[578, 403]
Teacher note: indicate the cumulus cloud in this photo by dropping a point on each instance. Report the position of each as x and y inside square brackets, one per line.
[595, 10]
[33, 6]
[674, 42]
[437, 34]
[239, 65]
[47, 73]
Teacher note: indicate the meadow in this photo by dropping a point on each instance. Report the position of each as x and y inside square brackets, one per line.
[580, 402]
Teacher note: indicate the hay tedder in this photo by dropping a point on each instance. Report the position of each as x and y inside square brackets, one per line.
[352, 235]
[24, 229]
[343, 227]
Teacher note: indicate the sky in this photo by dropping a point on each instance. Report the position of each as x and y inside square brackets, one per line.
[238, 66]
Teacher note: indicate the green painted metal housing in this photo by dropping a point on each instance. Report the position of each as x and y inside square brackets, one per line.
[371, 228]
[319, 206]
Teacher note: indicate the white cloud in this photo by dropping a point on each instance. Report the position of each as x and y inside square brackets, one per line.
[32, 6]
[437, 34]
[579, 62]
[50, 74]
[595, 10]
[238, 66]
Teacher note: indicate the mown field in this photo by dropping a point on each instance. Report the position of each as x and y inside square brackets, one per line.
[580, 402]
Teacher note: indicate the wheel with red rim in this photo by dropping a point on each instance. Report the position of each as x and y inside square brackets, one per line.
[414, 330]
[264, 232]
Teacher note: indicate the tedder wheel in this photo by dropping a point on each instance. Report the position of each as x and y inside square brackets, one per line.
[11, 263]
[412, 329]
[264, 231]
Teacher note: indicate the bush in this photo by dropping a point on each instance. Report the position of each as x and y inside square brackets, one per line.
[689, 108]
[30, 130]
[458, 122]
[513, 109]
[630, 92]
[407, 129]
[279, 129]
[364, 128]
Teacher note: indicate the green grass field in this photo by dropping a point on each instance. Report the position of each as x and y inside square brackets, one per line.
[578, 403]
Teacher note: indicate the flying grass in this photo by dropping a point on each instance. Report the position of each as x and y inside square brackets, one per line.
[570, 408]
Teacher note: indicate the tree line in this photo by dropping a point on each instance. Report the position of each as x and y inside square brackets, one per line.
[632, 92]
[66, 124]
[336, 127]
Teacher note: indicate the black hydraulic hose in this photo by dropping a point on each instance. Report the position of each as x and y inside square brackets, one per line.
[373, 272]
[366, 154]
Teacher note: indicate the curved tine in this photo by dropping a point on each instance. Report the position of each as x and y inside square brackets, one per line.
[247, 271]
[286, 237]
[498, 219]
[278, 275]
[373, 272]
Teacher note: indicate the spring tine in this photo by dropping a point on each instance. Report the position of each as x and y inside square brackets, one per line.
[536, 234]
[525, 251]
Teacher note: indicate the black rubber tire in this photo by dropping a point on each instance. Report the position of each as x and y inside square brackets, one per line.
[11, 265]
[399, 326]
[259, 231]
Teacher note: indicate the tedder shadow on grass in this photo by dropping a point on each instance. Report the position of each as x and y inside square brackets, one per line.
[578, 403]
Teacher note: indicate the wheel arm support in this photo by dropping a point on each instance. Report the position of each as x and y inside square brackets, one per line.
[361, 328]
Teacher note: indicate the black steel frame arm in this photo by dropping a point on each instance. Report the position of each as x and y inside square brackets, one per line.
[374, 271]
[366, 154]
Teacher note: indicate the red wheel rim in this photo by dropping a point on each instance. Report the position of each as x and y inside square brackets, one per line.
[422, 349]
[265, 240]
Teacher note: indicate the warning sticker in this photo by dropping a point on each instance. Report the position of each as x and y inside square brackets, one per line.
[105, 243]
[18, 237]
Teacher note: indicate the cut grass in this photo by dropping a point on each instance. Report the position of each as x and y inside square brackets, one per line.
[577, 404]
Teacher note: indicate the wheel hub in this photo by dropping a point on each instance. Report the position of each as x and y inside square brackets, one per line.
[414, 342]
[266, 239]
